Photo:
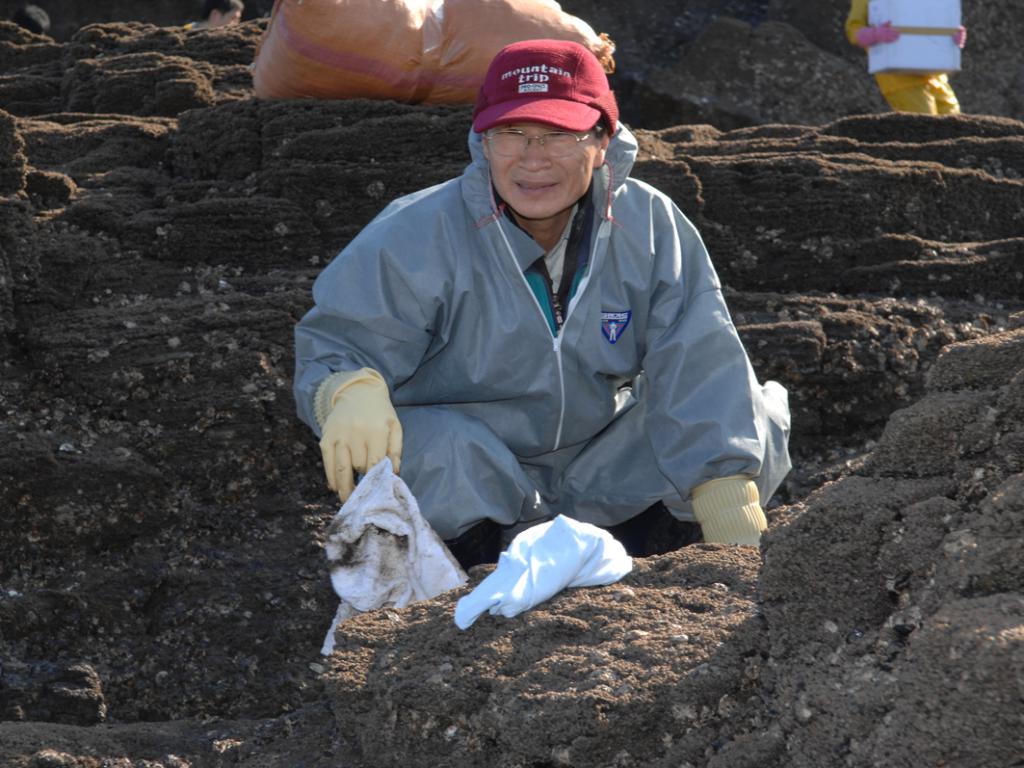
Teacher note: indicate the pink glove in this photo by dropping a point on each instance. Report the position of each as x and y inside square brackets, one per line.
[883, 33]
[960, 37]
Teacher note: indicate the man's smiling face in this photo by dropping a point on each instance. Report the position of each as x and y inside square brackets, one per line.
[541, 189]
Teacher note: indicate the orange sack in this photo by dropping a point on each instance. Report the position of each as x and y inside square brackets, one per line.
[434, 51]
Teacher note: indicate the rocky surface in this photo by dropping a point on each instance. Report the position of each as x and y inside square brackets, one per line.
[68, 16]
[731, 63]
[163, 593]
[747, 62]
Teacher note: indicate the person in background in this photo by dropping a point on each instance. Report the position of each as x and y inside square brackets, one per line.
[33, 18]
[929, 94]
[218, 13]
[543, 335]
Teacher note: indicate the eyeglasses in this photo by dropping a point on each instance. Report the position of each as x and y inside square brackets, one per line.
[512, 142]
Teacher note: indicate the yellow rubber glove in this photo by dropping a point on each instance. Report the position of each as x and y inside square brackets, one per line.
[729, 511]
[358, 424]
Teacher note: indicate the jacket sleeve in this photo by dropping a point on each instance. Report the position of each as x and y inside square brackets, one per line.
[856, 19]
[366, 314]
[705, 412]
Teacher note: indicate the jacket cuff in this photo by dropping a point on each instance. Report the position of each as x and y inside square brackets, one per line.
[729, 510]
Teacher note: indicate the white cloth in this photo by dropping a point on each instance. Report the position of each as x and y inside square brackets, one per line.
[382, 552]
[540, 562]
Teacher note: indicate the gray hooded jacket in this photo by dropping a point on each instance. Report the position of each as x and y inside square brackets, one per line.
[432, 294]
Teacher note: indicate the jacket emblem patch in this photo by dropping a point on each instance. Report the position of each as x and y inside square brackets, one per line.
[614, 323]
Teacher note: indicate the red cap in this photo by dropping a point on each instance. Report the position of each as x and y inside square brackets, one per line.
[556, 82]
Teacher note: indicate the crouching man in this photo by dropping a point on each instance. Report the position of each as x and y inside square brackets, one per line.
[542, 335]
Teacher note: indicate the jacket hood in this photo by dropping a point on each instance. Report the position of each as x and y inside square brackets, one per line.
[618, 162]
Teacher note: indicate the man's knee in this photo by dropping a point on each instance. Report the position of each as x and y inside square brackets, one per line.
[459, 470]
[441, 442]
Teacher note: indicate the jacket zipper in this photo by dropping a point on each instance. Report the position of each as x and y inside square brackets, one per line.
[602, 231]
[557, 339]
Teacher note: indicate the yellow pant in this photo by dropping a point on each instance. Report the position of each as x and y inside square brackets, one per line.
[932, 96]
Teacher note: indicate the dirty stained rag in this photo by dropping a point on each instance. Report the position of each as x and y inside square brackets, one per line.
[540, 562]
[382, 552]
